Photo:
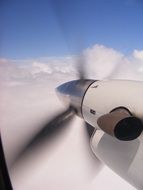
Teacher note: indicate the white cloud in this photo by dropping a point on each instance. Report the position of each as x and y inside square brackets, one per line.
[138, 54]
[102, 62]
[41, 67]
[26, 71]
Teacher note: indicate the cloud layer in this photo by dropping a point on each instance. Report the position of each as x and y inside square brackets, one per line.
[101, 62]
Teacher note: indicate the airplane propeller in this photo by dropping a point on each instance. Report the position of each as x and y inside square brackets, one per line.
[59, 123]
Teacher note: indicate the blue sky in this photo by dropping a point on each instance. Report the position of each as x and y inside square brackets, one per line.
[41, 28]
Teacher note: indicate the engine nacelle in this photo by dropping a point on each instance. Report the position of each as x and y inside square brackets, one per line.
[115, 107]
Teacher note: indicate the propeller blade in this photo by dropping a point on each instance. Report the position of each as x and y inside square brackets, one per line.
[78, 39]
[80, 66]
[95, 165]
[48, 132]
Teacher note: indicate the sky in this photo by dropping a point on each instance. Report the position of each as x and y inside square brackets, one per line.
[31, 29]
[38, 43]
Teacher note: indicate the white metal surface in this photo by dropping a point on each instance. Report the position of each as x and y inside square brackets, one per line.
[123, 157]
[104, 96]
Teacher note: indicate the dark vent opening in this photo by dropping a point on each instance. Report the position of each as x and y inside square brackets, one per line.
[128, 129]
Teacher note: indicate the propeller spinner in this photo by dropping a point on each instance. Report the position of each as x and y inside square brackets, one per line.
[72, 93]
